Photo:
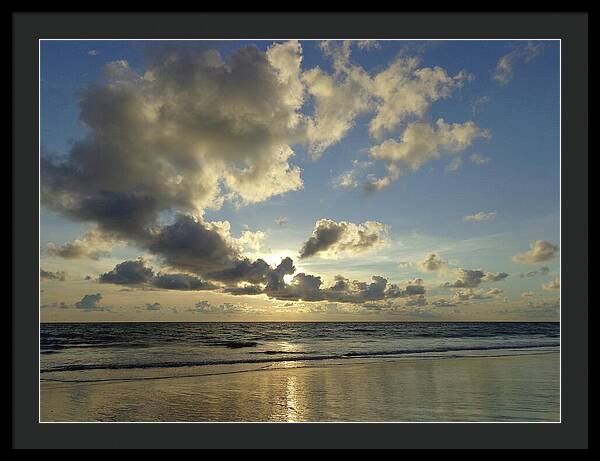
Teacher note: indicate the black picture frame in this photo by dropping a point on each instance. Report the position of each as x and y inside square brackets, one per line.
[571, 28]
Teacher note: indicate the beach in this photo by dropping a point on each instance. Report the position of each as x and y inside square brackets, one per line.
[501, 385]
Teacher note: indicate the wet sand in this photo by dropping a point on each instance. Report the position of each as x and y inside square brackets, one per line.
[523, 387]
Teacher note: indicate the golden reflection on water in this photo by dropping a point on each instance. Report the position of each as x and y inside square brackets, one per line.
[292, 397]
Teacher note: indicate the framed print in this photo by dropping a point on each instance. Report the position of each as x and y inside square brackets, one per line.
[252, 224]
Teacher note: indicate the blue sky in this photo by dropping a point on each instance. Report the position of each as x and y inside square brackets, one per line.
[510, 91]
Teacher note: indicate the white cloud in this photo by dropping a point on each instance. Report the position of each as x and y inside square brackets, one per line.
[504, 71]
[553, 285]
[541, 250]
[480, 216]
[479, 159]
[406, 90]
[421, 143]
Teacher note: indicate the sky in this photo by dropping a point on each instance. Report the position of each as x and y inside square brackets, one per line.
[297, 180]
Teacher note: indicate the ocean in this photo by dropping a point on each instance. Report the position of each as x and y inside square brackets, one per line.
[112, 346]
[299, 372]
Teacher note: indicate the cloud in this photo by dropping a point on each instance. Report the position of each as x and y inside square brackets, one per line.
[368, 44]
[421, 143]
[479, 102]
[307, 287]
[455, 164]
[251, 240]
[93, 52]
[225, 308]
[60, 276]
[479, 159]
[473, 278]
[527, 294]
[432, 263]
[181, 282]
[480, 216]
[505, 67]
[195, 129]
[350, 178]
[406, 90]
[541, 271]
[91, 245]
[135, 272]
[331, 239]
[90, 303]
[400, 91]
[128, 273]
[418, 301]
[475, 295]
[541, 250]
[198, 128]
[61, 305]
[553, 285]
[443, 303]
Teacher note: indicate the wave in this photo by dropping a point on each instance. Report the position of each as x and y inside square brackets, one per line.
[291, 358]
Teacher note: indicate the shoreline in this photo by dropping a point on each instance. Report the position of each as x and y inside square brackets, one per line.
[494, 387]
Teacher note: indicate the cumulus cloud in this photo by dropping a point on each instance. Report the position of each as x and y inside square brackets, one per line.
[553, 285]
[540, 250]
[193, 124]
[331, 239]
[60, 276]
[432, 263]
[505, 67]
[91, 245]
[181, 282]
[421, 143]
[128, 273]
[475, 295]
[307, 287]
[90, 303]
[407, 90]
[135, 272]
[402, 90]
[467, 278]
[480, 216]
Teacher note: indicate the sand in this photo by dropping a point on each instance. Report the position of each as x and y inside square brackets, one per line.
[503, 388]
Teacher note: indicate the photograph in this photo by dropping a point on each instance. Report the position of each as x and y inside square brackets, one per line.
[300, 230]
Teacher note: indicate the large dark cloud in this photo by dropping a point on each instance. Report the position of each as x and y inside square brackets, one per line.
[308, 287]
[136, 272]
[128, 273]
[174, 137]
